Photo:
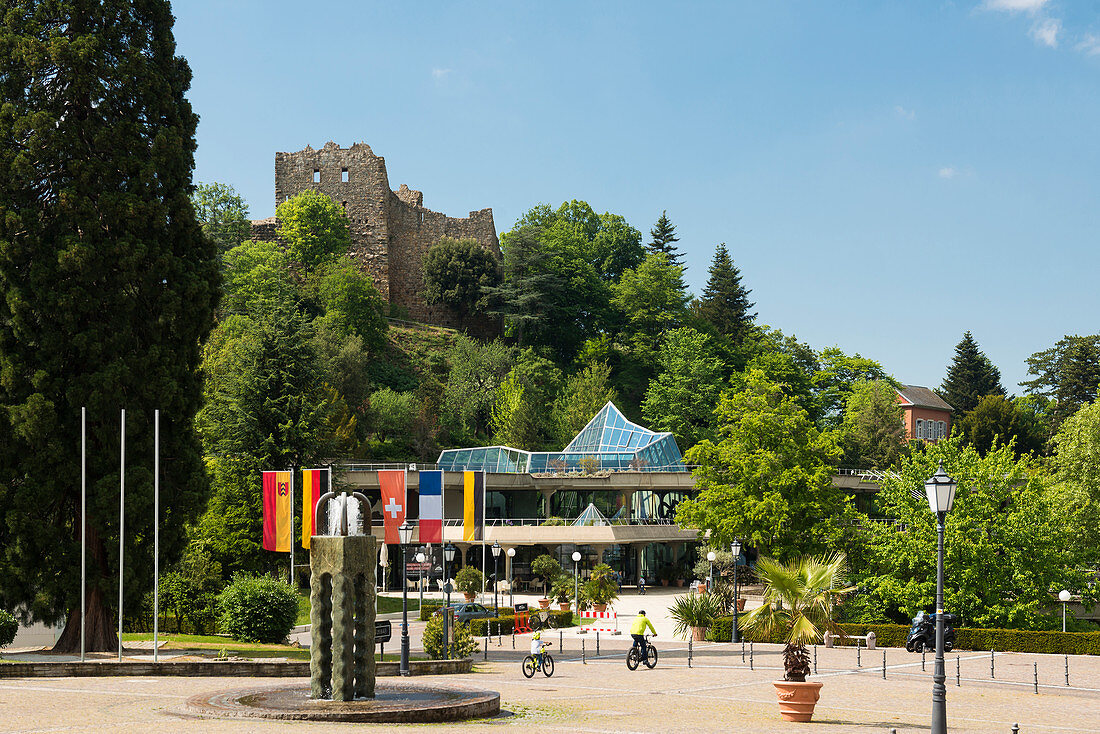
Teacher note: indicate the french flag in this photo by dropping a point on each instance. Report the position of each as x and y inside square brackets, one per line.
[431, 506]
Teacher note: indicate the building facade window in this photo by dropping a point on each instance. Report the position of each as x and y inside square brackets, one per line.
[920, 428]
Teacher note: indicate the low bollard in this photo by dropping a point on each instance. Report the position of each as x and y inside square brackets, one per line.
[689, 652]
[597, 643]
[513, 639]
[585, 662]
[815, 659]
[1015, 729]
[922, 660]
[1067, 669]
[561, 646]
[486, 657]
[991, 671]
[742, 651]
[750, 656]
[884, 665]
[1035, 669]
[859, 663]
[958, 673]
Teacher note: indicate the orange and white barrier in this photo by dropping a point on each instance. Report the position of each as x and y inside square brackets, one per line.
[599, 622]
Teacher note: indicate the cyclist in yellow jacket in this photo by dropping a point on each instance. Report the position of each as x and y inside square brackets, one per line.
[637, 631]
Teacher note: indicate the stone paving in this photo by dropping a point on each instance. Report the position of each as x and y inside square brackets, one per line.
[718, 693]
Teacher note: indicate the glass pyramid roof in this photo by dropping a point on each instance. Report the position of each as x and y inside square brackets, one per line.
[609, 430]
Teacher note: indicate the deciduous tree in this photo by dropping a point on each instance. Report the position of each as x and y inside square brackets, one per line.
[1068, 374]
[314, 227]
[682, 397]
[872, 434]
[997, 421]
[223, 215]
[460, 274]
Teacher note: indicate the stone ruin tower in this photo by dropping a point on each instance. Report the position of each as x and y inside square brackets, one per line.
[390, 230]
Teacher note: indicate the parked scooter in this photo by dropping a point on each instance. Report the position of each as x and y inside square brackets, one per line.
[922, 633]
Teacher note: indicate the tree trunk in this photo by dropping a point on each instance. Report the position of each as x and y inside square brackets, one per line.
[99, 624]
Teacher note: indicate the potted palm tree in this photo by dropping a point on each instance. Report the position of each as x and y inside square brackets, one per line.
[562, 591]
[470, 581]
[799, 598]
[601, 588]
[696, 612]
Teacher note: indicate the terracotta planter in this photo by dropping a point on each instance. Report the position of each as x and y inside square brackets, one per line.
[741, 605]
[544, 603]
[664, 582]
[680, 582]
[699, 634]
[470, 596]
[796, 699]
[600, 607]
[564, 607]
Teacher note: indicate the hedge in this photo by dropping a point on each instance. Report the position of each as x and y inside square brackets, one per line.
[503, 624]
[966, 638]
[430, 608]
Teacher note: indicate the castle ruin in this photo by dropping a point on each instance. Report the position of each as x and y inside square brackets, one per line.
[391, 231]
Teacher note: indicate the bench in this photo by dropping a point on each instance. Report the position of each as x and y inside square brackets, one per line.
[869, 639]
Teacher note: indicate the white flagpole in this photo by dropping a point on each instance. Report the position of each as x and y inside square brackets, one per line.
[121, 525]
[292, 526]
[156, 534]
[83, 522]
[484, 514]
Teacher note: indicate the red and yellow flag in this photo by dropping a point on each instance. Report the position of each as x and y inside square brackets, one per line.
[315, 482]
[278, 521]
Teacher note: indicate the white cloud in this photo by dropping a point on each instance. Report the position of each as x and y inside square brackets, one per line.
[904, 113]
[440, 74]
[948, 172]
[1046, 32]
[1015, 6]
[1089, 45]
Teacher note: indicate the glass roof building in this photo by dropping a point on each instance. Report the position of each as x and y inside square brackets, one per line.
[609, 442]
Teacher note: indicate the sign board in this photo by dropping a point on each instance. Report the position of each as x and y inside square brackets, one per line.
[382, 631]
[414, 567]
[521, 607]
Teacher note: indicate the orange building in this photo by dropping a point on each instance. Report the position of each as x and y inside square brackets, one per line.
[927, 417]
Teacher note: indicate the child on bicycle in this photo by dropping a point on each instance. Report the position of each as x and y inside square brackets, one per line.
[536, 648]
[637, 631]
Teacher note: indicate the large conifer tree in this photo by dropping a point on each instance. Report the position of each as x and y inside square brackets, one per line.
[663, 239]
[725, 302]
[970, 377]
[109, 287]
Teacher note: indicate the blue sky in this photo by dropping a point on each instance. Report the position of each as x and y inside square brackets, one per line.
[886, 175]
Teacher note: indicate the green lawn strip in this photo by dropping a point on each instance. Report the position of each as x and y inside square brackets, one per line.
[386, 604]
[215, 644]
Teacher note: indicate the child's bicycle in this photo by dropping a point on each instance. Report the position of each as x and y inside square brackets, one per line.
[634, 656]
[531, 664]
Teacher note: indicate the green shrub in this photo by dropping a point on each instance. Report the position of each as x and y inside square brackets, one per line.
[561, 590]
[547, 568]
[504, 624]
[427, 609]
[462, 644]
[469, 580]
[257, 609]
[8, 627]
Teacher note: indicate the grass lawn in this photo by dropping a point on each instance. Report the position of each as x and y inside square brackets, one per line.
[385, 604]
[215, 643]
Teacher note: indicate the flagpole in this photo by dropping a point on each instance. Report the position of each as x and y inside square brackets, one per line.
[156, 534]
[83, 523]
[292, 526]
[484, 514]
[121, 525]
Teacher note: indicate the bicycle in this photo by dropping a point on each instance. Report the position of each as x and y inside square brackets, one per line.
[531, 665]
[634, 656]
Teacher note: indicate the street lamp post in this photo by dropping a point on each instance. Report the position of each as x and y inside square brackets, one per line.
[448, 619]
[496, 558]
[405, 533]
[1063, 596]
[940, 490]
[511, 591]
[736, 548]
[711, 555]
[577, 580]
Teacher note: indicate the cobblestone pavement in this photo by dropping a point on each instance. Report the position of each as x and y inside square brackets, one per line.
[718, 693]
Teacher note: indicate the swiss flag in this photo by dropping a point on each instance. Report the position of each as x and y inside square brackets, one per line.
[392, 483]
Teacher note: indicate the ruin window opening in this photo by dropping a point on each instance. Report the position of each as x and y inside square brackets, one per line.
[316, 175]
[344, 175]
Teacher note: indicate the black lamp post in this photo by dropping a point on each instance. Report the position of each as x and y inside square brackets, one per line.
[736, 548]
[405, 533]
[448, 557]
[940, 490]
[496, 558]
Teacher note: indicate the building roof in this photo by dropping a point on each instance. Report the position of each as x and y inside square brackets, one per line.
[922, 397]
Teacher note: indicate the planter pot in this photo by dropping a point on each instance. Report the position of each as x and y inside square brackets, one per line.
[699, 634]
[796, 699]
[544, 603]
[600, 607]
[664, 582]
[564, 607]
[741, 605]
[470, 596]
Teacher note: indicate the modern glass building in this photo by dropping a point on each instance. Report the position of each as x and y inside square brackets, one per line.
[608, 443]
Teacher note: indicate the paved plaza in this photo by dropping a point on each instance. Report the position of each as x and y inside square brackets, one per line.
[718, 693]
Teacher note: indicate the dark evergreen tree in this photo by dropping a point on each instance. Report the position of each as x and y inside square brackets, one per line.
[970, 377]
[664, 238]
[109, 289]
[1068, 373]
[725, 302]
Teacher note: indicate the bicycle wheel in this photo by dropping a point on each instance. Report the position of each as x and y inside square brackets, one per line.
[547, 665]
[632, 658]
[651, 658]
[534, 622]
[529, 666]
